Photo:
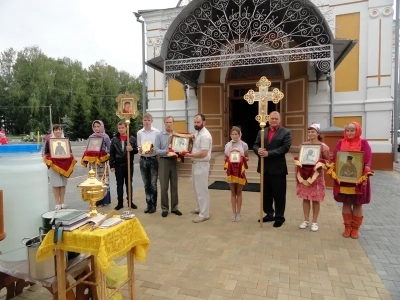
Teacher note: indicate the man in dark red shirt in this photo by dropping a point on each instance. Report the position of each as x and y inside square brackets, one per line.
[277, 141]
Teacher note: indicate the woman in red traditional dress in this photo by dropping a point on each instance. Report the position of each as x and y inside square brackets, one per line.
[353, 201]
[315, 192]
[236, 171]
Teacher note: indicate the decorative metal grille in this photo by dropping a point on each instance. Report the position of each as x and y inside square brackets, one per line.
[226, 33]
[169, 15]
[323, 6]
[326, 11]
[213, 28]
[320, 56]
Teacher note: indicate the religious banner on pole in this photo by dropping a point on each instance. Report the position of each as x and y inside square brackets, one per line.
[127, 109]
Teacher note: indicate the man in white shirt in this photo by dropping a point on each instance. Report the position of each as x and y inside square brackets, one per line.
[148, 162]
[201, 155]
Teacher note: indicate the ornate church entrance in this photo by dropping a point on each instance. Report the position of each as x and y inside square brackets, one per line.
[246, 36]
[239, 82]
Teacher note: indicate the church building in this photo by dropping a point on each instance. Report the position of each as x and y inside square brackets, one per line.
[332, 60]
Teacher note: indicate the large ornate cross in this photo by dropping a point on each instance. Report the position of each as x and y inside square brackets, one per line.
[262, 97]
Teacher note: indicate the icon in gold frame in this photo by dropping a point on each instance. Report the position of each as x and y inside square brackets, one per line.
[59, 148]
[234, 156]
[127, 106]
[181, 142]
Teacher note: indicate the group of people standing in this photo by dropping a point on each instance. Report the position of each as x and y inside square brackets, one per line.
[277, 142]
[159, 162]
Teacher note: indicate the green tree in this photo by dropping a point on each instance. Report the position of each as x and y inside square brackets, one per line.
[30, 82]
[80, 128]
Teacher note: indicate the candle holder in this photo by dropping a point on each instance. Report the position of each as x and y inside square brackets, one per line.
[92, 190]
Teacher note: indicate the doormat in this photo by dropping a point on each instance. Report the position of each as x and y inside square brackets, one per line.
[222, 185]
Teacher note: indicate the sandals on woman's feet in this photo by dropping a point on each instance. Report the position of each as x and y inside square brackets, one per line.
[238, 218]
[233, 218]
[314, 227]
[304, 225]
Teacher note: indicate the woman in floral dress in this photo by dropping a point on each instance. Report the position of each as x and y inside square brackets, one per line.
[313, 192]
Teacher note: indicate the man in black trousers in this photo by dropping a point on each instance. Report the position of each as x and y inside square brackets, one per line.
[277, 141]
[119, 162]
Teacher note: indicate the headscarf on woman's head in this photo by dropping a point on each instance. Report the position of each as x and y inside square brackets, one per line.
[102, 134]
[315, 126]
[55, 126]
[353, 144]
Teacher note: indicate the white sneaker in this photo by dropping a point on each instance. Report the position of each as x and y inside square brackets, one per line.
[304, 225]
[314, 227]
[58, 207]
[63, 206]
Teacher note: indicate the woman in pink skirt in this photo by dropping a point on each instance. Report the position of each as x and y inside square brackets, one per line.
[312, 189]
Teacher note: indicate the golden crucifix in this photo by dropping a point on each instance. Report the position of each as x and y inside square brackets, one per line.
[263, 96]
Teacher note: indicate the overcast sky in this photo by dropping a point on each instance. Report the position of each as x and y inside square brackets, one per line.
[84, 30]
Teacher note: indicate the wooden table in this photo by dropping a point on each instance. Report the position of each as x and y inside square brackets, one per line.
[14, 276]
[104, 245]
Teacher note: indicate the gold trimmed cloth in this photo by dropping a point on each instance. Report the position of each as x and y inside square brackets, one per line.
[349, 188]
[236, 171]
[97, 157]
[105, 244]
[63, 166]
[307, 175]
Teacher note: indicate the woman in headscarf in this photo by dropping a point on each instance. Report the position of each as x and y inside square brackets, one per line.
[59, 168]
[353, 196]
[99, 131]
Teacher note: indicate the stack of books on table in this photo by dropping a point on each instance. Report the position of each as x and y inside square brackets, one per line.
[77, 219]
[73, 220]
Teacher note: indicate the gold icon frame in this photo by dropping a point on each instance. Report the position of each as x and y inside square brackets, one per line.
[130, 99]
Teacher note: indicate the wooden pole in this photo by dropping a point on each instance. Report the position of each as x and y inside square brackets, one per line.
[2, 233]
[61, 279]
[127, 122]
[262, 137]
[131, 273]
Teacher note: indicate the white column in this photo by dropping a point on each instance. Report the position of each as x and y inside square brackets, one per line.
[378, 105]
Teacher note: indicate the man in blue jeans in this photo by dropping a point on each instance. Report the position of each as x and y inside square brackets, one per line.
[119, 162]
[148, 162]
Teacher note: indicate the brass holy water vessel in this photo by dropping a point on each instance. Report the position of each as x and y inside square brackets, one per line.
[92, 190]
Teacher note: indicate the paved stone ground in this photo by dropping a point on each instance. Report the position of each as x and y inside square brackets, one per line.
[219, 259]
[380, 237]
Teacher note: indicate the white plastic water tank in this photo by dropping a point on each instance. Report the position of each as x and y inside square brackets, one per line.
[23, 179]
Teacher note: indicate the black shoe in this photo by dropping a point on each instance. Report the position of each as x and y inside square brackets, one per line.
[146, 211]
[133, 205]
[118, 207]
[278, 223]
[267, 219]
[164, 214]
[152, 210]
[177, 212]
